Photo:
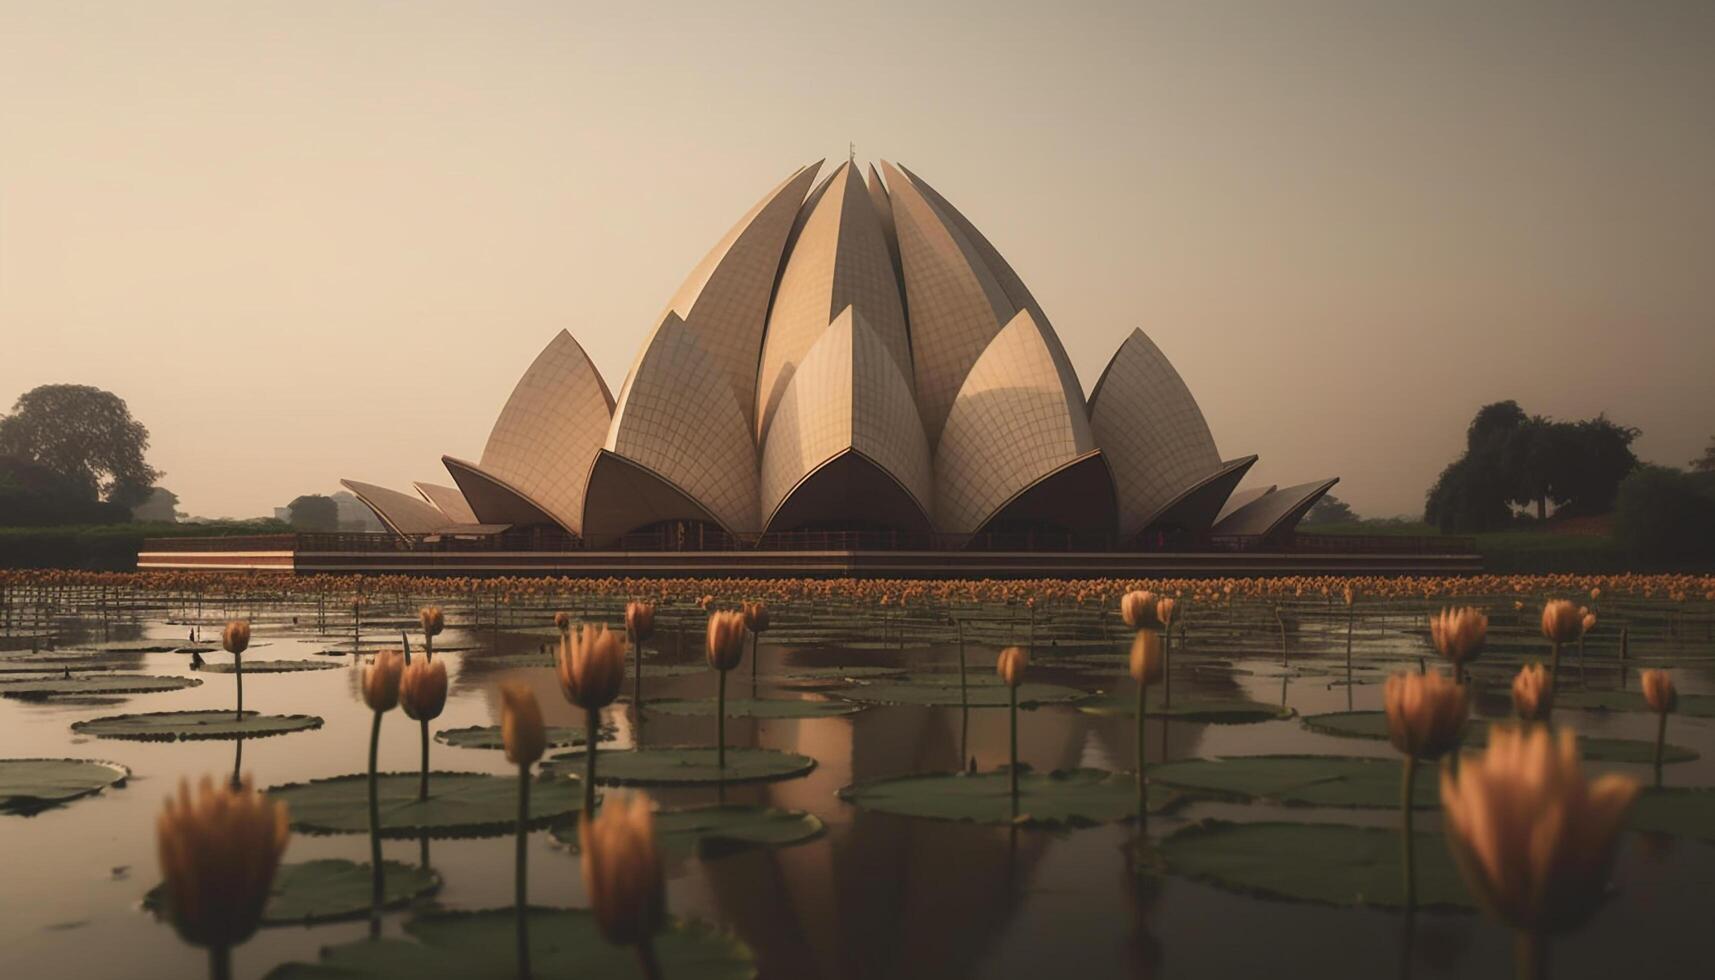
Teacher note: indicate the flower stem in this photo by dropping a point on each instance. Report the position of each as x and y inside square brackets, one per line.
[720, 724]
[636, 691]
[1408, 842]
[423, 781]
[1012, 749]
[220, 963]
[1660, 739]
[1530, 958]
[521, 883]
[238, 673]
[1166, 667]
[375, 892]
[592, 726]
[647, 959]
[1554, 668]
[1142, 785]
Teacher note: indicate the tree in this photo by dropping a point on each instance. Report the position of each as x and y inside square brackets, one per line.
[1664, 514]
[1706, 462]
[162, 505]
[314, 512]
[84, 435]
[1330, 510]
[31, 495]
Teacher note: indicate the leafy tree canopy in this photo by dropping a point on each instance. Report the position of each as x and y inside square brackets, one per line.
[1664, 514]
[1330, 510]
[85, 435]
[1706, 462]
[314, 512]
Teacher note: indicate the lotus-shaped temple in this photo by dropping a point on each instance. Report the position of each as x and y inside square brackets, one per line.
[853, 359]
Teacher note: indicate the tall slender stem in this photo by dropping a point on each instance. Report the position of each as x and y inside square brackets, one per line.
[220, 963]
[1012, 749]
[1554, 667]
[1660, 738]
[636, 692]
[375, 891]
[964, 701]
[423, 780]
[592, 728]
[521, 901]
[646, 958]
[720, 724]
[238, 672]
[1408, 843]
[1530, 956]
[1142, 784]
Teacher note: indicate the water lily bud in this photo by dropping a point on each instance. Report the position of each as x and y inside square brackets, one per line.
[591, 667]
[756, 617]
[236, 636]
[1425, 713]
[381, 680]
[1561, 621]
[219, 851]
[1533, 693]
[434, 621]
[1533, 839]
[423, 689]
[640, 620]
[563, 621]
[1146, 659]
[725, 640]
[1659, 692]
[1011, 665]
[1137, 608]
[1165, 609]
[622, 869]
[1459, 634]
[521, 728]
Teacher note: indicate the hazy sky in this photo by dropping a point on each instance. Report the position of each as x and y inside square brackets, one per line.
[308, 240]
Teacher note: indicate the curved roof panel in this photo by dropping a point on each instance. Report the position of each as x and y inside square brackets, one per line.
[1152, 431]
[957, 306]
[448, 501]
[547, 435]
[1078, 496]
[1018, 417]
[492, 499]
[725, 298]
[848, 394]
[1197, 506]
[677, 417]
[402, 513]
[624, 496]
[839, 259]
[1274, 513]
[1240, 498]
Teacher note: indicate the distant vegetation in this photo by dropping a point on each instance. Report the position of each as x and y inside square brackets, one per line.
[107, 547]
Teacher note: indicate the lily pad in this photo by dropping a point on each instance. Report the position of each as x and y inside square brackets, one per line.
[171, 726]
[1300, 780]
[686, 766]
[1075, 797]
[946, 694]
[757, 708]
[854, 672]
[563, 943]
[266, 666]
[460, 804]
[1681, 812]
[330, 890]
[1329, 864]
[506, 661]
[30, 786]
[719, 829]
[1690, 705]
[103, 684]
[489, 737]
[1373, 724]
[57, 663]
[1219, 711]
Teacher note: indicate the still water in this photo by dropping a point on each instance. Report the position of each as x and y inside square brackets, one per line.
[876, 895]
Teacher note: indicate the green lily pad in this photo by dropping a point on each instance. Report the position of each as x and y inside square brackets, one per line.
[265, 666]
[946, 694]
[563, 943]
[1681, 812]
[30, 786]
[756, 708]
[1690, 705]
[489, 737]
[1214, 711]
[1329, 864]
[506, 661]
[60, 663]
[1373, 724]
[718, 829]
[330, 890]
[855, 672]
[1075, 797]
[172, 726]
[1300, 780]
[685, 766]
[103, 684]
[460, 804]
